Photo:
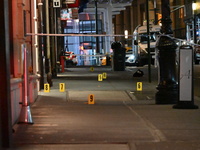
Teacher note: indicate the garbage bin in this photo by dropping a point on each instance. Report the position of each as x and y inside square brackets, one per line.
[118, 56]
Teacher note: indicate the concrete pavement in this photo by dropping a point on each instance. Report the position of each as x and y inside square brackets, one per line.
[121, 118]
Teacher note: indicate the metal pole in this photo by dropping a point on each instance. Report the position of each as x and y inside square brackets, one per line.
[148, 40]
[52, 42]
[166, 20]
[55, 38]
[97, 32]
[155, 11]
[48, 31]
[25, 114]
[195, 30]
[41, 45]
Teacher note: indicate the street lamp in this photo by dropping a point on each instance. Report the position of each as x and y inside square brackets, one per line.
[167, 87]
[194, 6]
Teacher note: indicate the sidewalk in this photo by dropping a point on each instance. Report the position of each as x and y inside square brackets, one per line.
[119, 119]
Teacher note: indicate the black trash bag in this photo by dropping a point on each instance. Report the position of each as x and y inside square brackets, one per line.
[138, 73]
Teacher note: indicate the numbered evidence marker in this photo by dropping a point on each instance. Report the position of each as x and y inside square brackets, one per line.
[139, 86]
[104, 75]
[91, 99]
[62, 87]
[100, 77]
[46, 88]
[56, 3]
[91, 68]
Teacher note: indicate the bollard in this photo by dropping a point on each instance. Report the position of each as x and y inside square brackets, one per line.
[167, 87]
[62, 63]
[186, 88]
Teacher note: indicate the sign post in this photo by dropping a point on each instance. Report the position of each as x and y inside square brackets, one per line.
[186, 90]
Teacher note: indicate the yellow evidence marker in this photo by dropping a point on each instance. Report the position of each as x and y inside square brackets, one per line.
[100, 77]
[46, 88]
[91, 99]
[139, 86]
[92, 69]
[62, 87]
[104, 75]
